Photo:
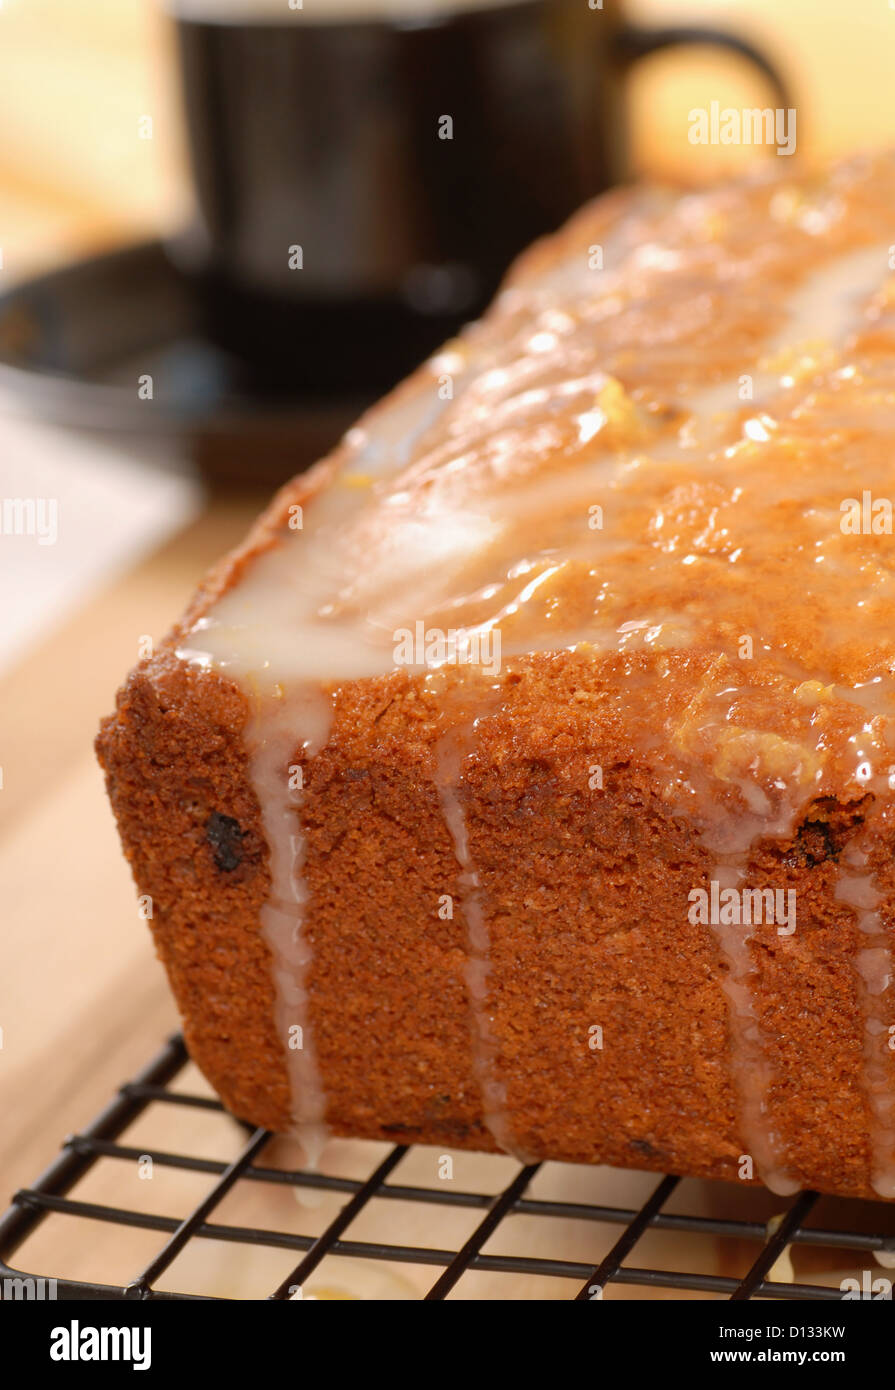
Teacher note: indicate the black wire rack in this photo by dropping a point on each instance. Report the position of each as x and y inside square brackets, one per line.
[47, 1197]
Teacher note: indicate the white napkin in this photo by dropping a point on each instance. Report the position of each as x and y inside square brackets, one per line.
[75, 510]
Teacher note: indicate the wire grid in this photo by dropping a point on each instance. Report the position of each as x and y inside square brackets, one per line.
[80, 1152]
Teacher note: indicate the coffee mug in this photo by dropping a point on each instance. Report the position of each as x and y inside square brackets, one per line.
[365, 170]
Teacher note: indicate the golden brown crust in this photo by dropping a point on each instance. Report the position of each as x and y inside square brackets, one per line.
[173, 758]
[584, 929]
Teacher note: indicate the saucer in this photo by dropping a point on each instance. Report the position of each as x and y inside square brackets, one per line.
[117, 344]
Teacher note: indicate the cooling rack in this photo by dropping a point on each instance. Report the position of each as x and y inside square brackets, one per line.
[48, 1198]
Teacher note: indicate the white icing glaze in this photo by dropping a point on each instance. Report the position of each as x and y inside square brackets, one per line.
[873, 968]
[452, 749]
[392, 540]
[751, 1073]
[281, 731]
[823, 310]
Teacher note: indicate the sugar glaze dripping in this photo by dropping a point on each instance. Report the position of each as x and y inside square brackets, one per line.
[751, 1073]
[873, 967]
[857, 886]
[281, 730]
[452, 750]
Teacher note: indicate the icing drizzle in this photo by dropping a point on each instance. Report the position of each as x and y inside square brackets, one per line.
[451, 751]
[277, 762]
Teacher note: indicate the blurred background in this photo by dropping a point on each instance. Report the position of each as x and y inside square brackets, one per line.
[93, 161]
[76, 79]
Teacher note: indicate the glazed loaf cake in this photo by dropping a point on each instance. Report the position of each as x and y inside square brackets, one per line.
[525, 781]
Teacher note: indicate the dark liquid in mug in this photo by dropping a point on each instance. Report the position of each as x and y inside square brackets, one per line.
[403, 151]
[408, 161]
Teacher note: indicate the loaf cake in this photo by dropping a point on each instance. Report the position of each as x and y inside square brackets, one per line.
[525, 781]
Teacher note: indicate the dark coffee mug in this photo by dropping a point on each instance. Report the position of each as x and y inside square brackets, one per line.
[366, 170]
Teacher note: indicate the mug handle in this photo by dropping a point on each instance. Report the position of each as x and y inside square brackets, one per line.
[633, 42]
